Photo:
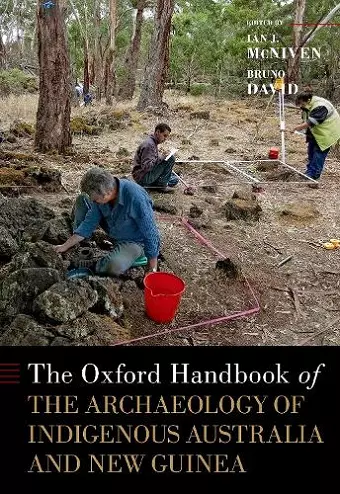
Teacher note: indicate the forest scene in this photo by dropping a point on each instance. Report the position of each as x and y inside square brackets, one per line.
[256, 241]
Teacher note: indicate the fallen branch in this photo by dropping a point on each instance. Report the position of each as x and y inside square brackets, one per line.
[273, 247]
[318, 333]
[279, 289]
[284, 261]
[296, 301]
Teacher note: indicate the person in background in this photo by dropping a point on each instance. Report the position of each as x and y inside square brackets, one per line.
[125, 212]
[150, 169]
[322, 128]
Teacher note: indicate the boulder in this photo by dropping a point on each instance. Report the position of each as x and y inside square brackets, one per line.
[110, 300]
[8, 245]
[25, 331]
[19, 289]
[59, 341]
[16, 214]
[58, 231]
[35, 231]
[94, 330]
[37, 255]
[135, 274]
[65, 301]
[131, 294]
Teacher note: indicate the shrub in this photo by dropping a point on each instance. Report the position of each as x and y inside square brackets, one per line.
[17, 82]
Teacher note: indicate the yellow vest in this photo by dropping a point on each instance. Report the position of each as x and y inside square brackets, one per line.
[327, 133]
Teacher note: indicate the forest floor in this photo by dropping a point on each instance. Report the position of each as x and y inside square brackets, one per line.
[299, 301]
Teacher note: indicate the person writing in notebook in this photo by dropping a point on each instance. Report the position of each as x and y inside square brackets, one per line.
[150, 167]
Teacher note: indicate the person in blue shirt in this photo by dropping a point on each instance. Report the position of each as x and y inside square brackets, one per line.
[124, 210]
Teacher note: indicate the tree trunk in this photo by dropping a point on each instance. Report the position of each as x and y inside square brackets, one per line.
[54, 107]
[86, 85]
[127, 88]
[156, 70]
[2, 53]
[294, 63]
[109, 61]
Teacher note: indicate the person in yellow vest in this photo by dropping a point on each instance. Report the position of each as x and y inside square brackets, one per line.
[322, 128]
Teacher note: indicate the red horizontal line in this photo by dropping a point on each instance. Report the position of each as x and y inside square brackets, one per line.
[314, 24]
[9, 382]
[17, 365]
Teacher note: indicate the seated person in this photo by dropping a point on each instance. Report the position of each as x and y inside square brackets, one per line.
[149, 167]
[124, 210]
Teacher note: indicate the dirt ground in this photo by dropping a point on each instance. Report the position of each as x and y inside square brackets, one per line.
[299, 301]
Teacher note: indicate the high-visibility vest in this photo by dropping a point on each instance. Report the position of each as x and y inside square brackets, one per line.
[326, 133]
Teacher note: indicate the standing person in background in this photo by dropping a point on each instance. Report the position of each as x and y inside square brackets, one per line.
[150, 169]
[322, 126]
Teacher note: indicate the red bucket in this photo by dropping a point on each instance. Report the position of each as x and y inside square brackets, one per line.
[162, 296]
[273, 153]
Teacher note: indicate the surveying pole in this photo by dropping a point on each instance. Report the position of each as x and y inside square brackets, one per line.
[279, 86]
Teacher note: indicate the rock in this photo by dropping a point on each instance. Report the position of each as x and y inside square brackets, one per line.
[35, 231]
[59, 230]
[299, 211]
[135, 274]
[66, 203]
[195, 211]
[59, 341]
[165, 207]
[244, 194]
[214, 142]
[204, 115]
[131, 294]
[37, 255]
[230, 150]
[8, 245]
[212, 189]
[110, 300]
[240, 209]
[16, 214]
[25, 331]
[229, 268]
[94, 330]
[19, 289]
[65, 301]
[186, 142]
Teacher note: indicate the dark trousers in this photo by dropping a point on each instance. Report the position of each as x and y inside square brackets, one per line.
[316, 159]
[161, 175]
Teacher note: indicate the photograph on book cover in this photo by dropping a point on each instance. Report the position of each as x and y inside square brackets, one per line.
[169, 176]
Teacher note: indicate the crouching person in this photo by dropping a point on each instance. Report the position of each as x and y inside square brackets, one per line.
[124, 210]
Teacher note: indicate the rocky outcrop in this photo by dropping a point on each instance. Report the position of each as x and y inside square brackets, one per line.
[65, 301]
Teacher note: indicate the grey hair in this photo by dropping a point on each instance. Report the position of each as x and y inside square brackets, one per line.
[97, 181]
